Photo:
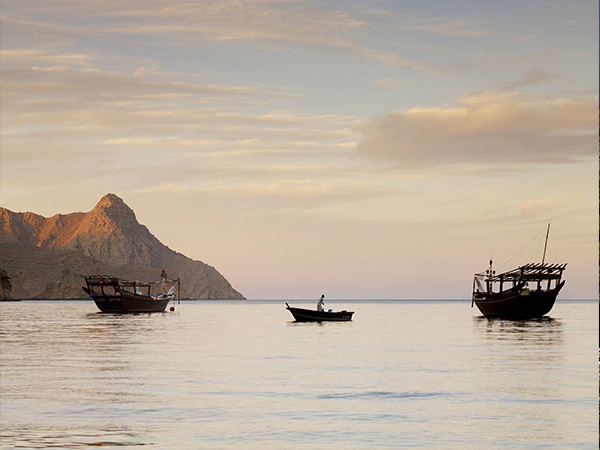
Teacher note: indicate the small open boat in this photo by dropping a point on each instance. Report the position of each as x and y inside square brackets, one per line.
[113, 295]
[527, 292]
[311, 315]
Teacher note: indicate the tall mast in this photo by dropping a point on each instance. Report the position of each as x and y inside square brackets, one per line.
[546, 244]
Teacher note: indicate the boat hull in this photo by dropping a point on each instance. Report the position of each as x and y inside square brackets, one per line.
[517, 303]
[311, 315]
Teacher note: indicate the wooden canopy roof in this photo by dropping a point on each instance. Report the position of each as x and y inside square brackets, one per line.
[528, 272]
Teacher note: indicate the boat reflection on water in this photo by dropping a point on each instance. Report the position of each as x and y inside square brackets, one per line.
[35, 435]
[520, 362]
[537, 332]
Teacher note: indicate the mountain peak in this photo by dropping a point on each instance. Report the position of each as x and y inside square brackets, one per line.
[110, 201]
[115, 209]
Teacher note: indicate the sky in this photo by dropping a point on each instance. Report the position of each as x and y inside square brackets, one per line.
[357, 149]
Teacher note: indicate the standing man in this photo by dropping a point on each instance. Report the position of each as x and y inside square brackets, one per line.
[321, 304]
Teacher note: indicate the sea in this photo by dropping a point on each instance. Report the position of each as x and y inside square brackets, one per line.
[244, 375]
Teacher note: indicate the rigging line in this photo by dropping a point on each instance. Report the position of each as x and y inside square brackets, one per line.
[536, 249]
[517, 254]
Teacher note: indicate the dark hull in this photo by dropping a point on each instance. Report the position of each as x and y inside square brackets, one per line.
[311, 315]
[511, 304]
[124, 303]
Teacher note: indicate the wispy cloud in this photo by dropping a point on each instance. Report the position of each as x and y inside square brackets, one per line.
[294, 25]
[533, 77]
[467, 27]
[76, 82]
[388, 84]
[449, 26]
[97, 118]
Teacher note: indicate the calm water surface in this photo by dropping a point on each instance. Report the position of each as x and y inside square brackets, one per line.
[242, 375]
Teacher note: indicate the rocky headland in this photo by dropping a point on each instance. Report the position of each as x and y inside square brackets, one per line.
[5, 286]
[45, 258]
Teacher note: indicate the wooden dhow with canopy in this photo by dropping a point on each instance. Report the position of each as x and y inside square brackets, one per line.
[114, 295]
[529, 291]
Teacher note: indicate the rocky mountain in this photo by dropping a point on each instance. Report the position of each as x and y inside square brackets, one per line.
[46, 257]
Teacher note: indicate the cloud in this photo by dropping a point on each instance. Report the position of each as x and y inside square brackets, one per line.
[449, 26]
[486, 129]
[278, 189]
[468, 27]
[73, 82]
[90, 115]
[288, 25]
[53, 99]
[535, 76]
[387, 84]
[132, 141]
[20, 53]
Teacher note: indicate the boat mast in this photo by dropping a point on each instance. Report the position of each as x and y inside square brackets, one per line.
[546, 244]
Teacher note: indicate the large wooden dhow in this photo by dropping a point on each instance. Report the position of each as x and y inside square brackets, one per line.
[527, 292]
[114, 295]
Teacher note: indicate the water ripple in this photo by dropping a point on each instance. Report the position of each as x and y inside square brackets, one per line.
[381, 395]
